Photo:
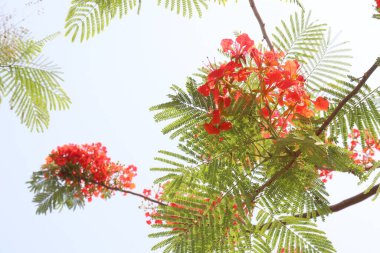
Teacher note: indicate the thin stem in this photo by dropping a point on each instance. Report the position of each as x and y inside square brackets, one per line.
[261, 23]
[129, 192]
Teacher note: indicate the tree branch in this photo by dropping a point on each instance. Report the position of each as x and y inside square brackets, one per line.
[348, 202]
[261, 23]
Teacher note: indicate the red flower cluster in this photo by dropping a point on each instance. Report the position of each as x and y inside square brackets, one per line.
[377, 5]
[280, 91]
[88, 168]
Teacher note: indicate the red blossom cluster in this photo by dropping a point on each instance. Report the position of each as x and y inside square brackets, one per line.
[88, 168]
[280, 91]
[364, 156]
[377, 5]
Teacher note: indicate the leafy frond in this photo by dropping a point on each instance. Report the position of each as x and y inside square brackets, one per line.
[51, 194]
[86, 18]
[327, 65]
[186, 7]
[298, 2]
[292, 234]
[300, 38]
[186, 109]
[32, 83]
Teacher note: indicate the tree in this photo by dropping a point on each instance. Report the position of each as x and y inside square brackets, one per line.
[257, 145]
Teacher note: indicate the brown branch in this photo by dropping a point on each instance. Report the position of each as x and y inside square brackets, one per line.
[261, 23]
[130, 192]
[348, 202]
[348, 97]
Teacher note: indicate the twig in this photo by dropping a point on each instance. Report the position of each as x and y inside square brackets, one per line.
[130, 192]
[261, 23]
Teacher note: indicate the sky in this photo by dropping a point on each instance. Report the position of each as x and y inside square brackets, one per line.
[112, 80]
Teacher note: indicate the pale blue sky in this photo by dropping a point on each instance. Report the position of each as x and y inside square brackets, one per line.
[112, 80]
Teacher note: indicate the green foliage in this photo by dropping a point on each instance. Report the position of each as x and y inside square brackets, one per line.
[292, 233]
[89, 17]
[30, 82]
[52, 194]
[86, 18]
[299, 3]
[186, 110]
[360, 112]
[299, 39]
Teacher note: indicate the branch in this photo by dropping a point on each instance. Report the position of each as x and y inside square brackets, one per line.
[261, 23]
[349, 96]
[130, 192]
[348, 202]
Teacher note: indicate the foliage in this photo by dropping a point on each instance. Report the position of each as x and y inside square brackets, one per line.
[31, 82]
[86, 18]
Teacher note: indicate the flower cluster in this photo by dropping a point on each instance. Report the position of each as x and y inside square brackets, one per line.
[88, 168]
[278, 87]
[377, 5]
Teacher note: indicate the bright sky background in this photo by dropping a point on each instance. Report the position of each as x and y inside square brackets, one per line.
[112, 80]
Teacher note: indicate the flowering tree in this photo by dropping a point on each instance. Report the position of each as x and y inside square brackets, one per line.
[259, 135]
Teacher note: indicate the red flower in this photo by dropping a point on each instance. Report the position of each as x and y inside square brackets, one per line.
[211, 129]
[226, 45]
[215, 117]
[321, 104]
[225, 126]
[158, 222]
[204, 90]
[244, 41]
[147, 192]
[356, 131]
